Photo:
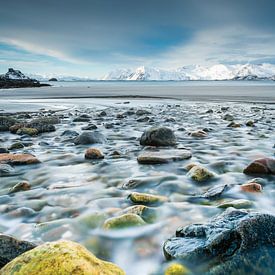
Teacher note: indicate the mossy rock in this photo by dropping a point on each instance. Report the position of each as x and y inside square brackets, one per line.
[144, 198]
[60, 258]
[238, 204]
[27, 131]
[148, 214]
[123, 221]
[92, 220]
[199, 174]
[176, 269]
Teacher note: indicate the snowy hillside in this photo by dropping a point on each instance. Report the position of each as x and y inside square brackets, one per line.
[197, 72]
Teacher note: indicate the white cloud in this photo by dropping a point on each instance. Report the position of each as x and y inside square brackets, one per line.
[235, 44]
[41, 50]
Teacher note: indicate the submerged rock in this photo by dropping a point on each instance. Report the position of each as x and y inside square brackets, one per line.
[148, 214]
[163, 156]
[161, 136]
[62, 257]
[199, 173]
[93, 153]
[70, 133]
[16, 145]
[144, 198]
[20, 186]
[18, 159]
[123, 221]
[229, 234]
[6, 170]
[261, 166]
[238, 204]
[10, 248]
[90, 138]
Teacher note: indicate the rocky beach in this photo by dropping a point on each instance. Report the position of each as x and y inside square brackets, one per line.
[137, 185]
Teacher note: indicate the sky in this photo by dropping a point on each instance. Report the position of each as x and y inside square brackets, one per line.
[92, 37]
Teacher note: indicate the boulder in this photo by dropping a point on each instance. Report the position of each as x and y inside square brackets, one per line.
[261, 166]
[230, 234]
[161, 136]
[61, 257]
[89, 138]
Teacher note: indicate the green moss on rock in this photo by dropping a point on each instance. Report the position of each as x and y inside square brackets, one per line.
[144, 198]
[123, 221]
[59, 258]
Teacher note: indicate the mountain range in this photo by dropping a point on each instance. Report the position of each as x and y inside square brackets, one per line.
[196, 72]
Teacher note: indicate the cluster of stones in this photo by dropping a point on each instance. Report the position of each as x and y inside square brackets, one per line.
[231, 234]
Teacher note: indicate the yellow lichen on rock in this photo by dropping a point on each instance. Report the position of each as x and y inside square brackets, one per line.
[176, 269]
[59, 258]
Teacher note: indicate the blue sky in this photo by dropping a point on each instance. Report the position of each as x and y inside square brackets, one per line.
[92, 37]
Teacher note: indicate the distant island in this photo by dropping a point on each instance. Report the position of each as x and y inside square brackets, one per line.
[16, 79]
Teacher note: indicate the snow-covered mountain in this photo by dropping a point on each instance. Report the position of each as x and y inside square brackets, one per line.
[14, 75]
[197, 72]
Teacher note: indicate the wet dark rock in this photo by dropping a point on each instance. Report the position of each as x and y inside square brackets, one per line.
[10, 248]
[6, 170]
[142, 112]
[70, 133]
[109, 125]
[44, 124]
[228, 117]
[143, 119]
[161, 136]
[261, 166]
[6, 122]
[102, 113]
[81, 119]
[90, 138]
[3, 150]
[232, 233]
